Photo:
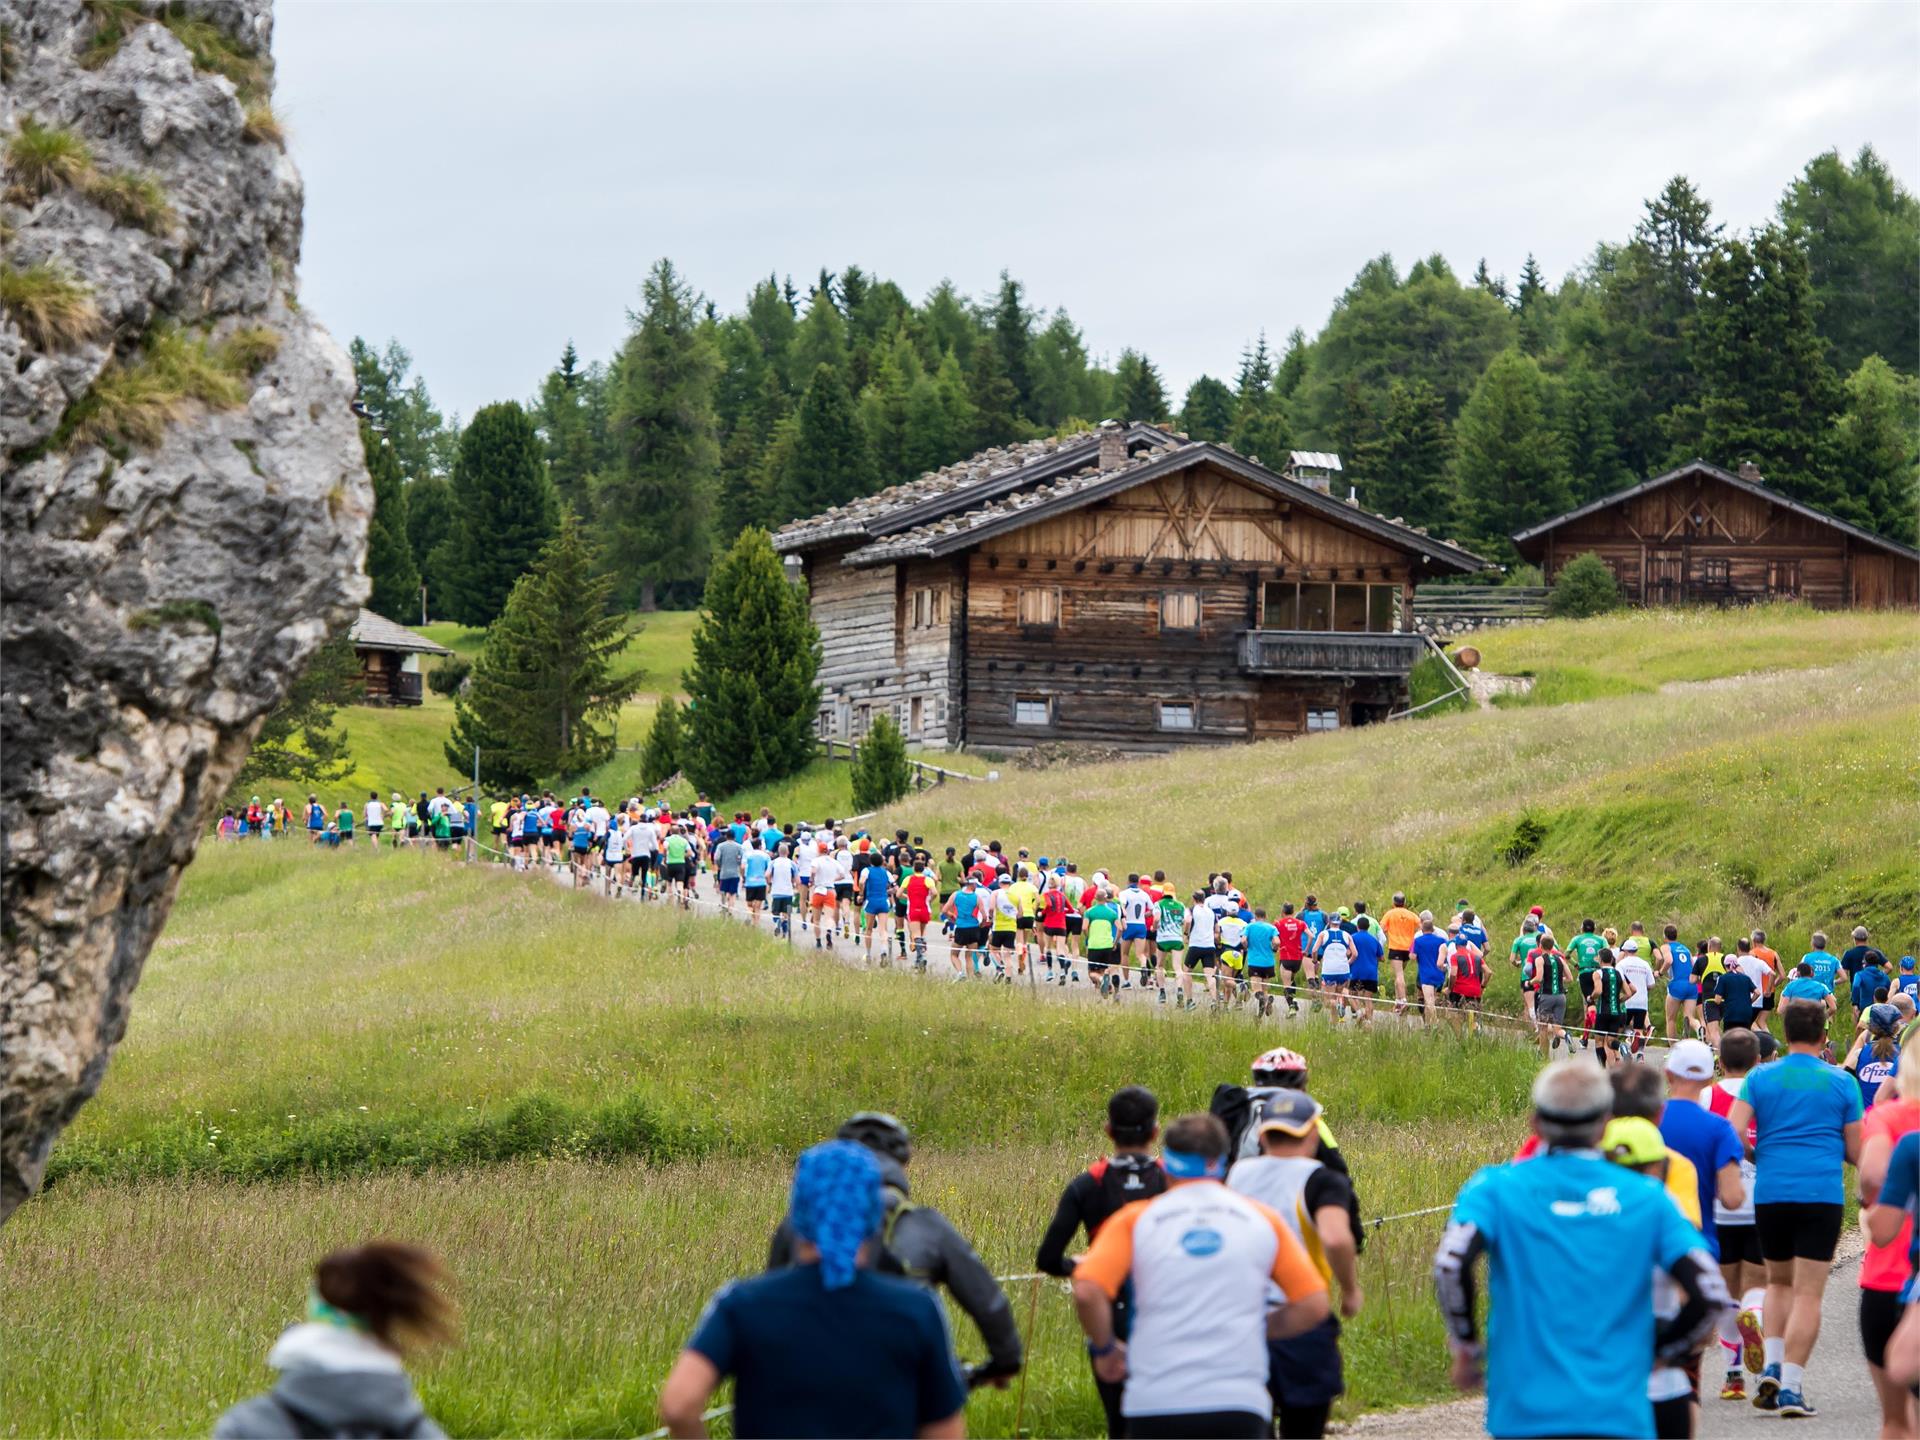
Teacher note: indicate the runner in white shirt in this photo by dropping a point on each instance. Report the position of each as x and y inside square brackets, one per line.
[1203, 946]
[1633, 965]
[780, 890]
[376, 820]
[826, 874]
[1334, 952]
[615, 854]
[1136, 933]
[599, 818]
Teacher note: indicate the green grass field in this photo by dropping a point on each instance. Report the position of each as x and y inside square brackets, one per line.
[1635, 652]
[591, 1107]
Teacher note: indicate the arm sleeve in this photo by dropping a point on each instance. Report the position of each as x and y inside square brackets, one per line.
[1052, 1258]
[980, 1295]
[1460, 1246]
[713, 1334]
[1698, 1277]
[1109, 1260]
[942, 1392]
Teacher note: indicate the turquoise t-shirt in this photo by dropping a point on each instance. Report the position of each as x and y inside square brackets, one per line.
[1532, 1216]
[1825, 966]
[1802, 1106]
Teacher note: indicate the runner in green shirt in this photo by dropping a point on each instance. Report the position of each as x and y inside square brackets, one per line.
[1517, 952]
[442, 826]
[1103, 922]
[1584, 950]
[346, 824]
[677, 851]
[952, 873]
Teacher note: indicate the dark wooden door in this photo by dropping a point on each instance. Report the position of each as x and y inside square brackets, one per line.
[1278, 712]
[1666, 577]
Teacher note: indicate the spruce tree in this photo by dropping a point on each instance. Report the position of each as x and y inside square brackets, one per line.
[1510, 469]
[1532, 311]
[503, 512]
[1292, 371]
[1255, 379]
[666, 738]
[752, 683]
[883, 413]
[429, 523]
[1013, 339]
[1766, 392]
[396, 582]
[828, 463]
[822, 336]
[543, 700]
[654, 504]
[993, 398]
[1411, 477]
[946, 323]
[770, 316]
[565, 419]
[298, 740]
[1208, 411]
[881, 771]
[1139, 394]
[1860, 228]
[1876, 446]
[1063, 388]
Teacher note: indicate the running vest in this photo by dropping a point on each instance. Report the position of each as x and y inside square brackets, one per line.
[1053, 909]
[1550, 978]
[1681, 959]
[1172, 927]
[1205, 918]
[1121, 1180]
[1280, 1183]
[1337, 953]
[1609, 991]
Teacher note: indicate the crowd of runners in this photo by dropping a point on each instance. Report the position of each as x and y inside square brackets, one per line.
[1699, 1206]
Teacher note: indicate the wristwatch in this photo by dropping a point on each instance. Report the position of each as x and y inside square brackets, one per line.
[1096, 1351]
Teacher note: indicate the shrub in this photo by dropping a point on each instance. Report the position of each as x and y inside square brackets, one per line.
[1585, 587]
[661, 757]
[42, 157]
[449, 675]
[1524, 843]
[1523, 575]
[54, 310]
[881, 772]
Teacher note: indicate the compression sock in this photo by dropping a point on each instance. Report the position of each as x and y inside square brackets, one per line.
[1730, 1329]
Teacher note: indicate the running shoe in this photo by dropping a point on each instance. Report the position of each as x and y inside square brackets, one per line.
[1735, 1387]
[1753, 1349]
[1766, 1394]
[1793, 1405]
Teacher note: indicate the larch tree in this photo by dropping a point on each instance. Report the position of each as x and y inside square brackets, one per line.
[654, 504]
[752, 686]
[1860, 228]
[1510, 470]
[543, 700]
[503, 511]
[1878, 446]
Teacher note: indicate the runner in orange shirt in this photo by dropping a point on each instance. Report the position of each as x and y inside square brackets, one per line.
[1398, 927]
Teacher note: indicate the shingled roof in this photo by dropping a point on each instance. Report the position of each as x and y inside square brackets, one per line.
[978, 480]
[1088, 484]
[376, 632]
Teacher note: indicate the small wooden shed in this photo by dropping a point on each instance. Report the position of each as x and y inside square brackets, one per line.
[389, 657]
[1702, 534]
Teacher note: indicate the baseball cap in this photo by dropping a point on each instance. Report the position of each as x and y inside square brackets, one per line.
[1690, 1060]
[1537, 911]
[1344, 913]
[1631, 1140]
[1630, 944]
[1291, 1112]
[1044, 862]
[1906, 962]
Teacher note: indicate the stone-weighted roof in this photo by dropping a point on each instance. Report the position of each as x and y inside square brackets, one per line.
[376, 632]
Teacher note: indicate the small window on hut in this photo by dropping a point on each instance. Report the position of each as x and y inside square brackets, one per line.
[1033, 710]
[1039, 605]
[1323, 720]
[1176, 715]
[1180, 610]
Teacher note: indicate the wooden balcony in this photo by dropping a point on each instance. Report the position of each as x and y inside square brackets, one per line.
[1320, 652]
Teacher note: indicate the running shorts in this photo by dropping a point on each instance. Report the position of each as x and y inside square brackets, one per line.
[1472, 1002]
[1202, 957]
[755, 892]
[1640, 1020]
[1798, 1229]
[1169, 947]
[843, 890]
[1683, 992]
[1880, 1311]
[1134, 932]
[1260, 972]
[1586, 984]
[1002, 939]
[1712, 1011]
[877, 907]
[498, 830]
[1341, 979]
[1610, 1024]
[1550, 1009]
[782, 904]
[730, 885]
[1025, 922]
[376, 829]
[1075, 924]
[970, 937]
[1399, 957]
[1099, 959]
[1432, 979]
[1056, 931]
[1364, 987]
[1292, 967]
[823, 900]
[1740, 1242]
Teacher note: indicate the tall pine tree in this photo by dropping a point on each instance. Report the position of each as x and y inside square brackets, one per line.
[1510, 469]
[1860, 228]
[827, 462]
[1207, 413]
[994, 400]
[503, 511]
[396, 581]
[653, 506]
[1139, 394]
[1013, 338]
[752, 683]
[1877, 447]
[543, 701]
[1411, 474]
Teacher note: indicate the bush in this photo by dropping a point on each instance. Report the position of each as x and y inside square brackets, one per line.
[55, 311]
[1430, 680]
[449, 675]
[661, 757]
[1585, 587]
[881, 773]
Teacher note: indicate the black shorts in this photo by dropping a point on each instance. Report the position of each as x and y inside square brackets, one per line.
[755, 893]
[1202, 957]
[1292, 967]
[1711, 1011]
[1025, 922]
[1880, 1311]
[642, 862]
[782, 904]
[970, 936]
[1462, 1002]
[1100, 959]
[843, 891]
[375, 830]
[1586, 984]
[1640, 1020]
[1798, 1229]
[677, 870]
[1001, 939]
[1399, 957]
[1610, 1024]
[1740, 1242]
[1075, 924]
[498, 830]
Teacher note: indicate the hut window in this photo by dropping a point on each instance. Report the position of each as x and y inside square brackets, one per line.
[928, 608]
[1783, 577]
[1039, 605]
[916, 715]
[1282, 606]
[1323, 720]
[1316, 607]
[1383, 604]
[1350, 607]
[1716, 572]
[1177, 715]
[1033, 710]
[1180, 610]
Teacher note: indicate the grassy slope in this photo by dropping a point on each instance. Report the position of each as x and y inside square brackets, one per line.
[1634, 652]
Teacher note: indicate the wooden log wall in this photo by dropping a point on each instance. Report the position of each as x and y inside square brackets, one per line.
[875, 659]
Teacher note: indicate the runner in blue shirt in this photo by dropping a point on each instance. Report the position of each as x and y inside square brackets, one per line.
[1364, 982]
[1314, 918]
[1260, 935]
[1526, 1219]
[755, 870]
[1803, 986]
[1809, 1114]
[1908, 979]
[1471, 929]
[1429, 973]
[876, 898]
[1826, 965]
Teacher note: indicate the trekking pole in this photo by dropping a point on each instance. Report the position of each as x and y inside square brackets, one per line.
[1033, 1311]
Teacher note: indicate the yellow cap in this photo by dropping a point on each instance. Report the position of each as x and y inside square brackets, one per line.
[1633, 1141]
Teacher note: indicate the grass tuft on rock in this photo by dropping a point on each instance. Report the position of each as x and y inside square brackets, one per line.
[131, 198]
[42, 158]
[113, 21]
[218, 53]
[264, 127]
[248, 350]
[133, 402]
[54, 310]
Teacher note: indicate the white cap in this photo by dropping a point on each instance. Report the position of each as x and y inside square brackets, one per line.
[973, 844]
[1690, 1060]
[1630, 944]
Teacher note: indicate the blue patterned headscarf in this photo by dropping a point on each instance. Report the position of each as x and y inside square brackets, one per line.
[836, 1205]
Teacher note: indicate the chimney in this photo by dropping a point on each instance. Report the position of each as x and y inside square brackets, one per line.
[1750, 472]
[1113, 444]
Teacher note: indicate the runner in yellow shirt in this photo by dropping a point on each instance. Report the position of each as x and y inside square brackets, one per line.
[1026, 899]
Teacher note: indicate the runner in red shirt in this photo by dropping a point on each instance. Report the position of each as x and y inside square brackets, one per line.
[1053, 929]
[1288, 950]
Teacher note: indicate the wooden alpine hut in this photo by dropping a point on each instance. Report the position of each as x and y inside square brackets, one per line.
[389, 657]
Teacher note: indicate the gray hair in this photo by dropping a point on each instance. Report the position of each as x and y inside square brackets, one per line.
[1572, 1101]
[1819, 939]
[1859, 932]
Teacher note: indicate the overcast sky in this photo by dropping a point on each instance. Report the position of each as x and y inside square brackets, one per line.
[486, 181]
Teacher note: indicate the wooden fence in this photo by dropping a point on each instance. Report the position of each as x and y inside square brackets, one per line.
[925, 773]
[1480, 602]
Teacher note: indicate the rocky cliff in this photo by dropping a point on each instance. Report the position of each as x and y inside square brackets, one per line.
[184, 506]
